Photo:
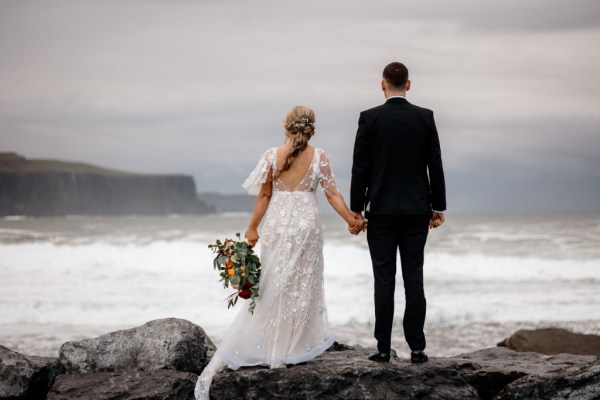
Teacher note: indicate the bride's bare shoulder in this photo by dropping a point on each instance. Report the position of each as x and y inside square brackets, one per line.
[282, 151]
[283, 147]
[287, 147]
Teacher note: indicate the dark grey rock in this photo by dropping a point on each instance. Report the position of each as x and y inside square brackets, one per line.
[160, 344]
[576, 383]
[345, 374]
[149, 385]
[553, 341]
[26, 377]
[491, 370]
[159, 360]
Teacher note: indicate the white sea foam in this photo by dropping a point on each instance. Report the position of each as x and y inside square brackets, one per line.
[233, 214]
[102, 283]
[471, 288]
[69, 278]
[14, 217]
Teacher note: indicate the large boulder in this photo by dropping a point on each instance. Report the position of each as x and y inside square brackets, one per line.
[160, 344]
[553, 341]
[26, 377]
[149, 385]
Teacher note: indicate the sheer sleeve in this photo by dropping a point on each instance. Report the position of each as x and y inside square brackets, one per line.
[326, 177]
[254, 182]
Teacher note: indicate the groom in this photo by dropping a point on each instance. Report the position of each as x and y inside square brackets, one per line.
[398, 180]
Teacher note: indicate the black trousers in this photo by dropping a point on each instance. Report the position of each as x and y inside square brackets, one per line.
[386, 235]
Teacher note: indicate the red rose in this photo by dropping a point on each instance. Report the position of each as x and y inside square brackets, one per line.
[247, 285]
[245, 294]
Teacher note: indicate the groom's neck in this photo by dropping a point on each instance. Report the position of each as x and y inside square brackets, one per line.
[389, 94]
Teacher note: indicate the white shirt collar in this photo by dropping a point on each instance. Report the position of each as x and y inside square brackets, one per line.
[396, 97]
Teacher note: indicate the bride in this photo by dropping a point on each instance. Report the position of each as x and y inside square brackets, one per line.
[289, 323]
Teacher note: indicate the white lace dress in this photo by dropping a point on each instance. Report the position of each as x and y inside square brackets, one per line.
[289, 324]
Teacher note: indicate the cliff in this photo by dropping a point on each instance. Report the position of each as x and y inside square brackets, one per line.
[228, 203]
[53, 188]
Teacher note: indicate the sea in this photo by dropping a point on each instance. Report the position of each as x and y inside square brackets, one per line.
[486, 276]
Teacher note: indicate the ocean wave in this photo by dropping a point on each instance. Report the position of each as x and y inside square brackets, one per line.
[564, 237]
[99, 283]
[14, 217]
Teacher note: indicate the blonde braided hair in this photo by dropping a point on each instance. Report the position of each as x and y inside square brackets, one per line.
[299, 124]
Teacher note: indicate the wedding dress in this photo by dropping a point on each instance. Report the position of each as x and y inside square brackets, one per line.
[289, 324]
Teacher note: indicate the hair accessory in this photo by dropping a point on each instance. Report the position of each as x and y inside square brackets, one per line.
[303, 124]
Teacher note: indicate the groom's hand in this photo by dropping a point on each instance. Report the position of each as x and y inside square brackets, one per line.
[357, 215]
[436, 220]
[361, 226]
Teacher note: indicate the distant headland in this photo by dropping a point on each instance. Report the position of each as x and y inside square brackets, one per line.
[56, 188]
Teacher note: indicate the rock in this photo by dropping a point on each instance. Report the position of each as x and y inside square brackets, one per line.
[149, 385]
[489, 371]
[553, 341]
[160, 344]
[578, 382]
[345, 374]
[26, 377]
[159, 360]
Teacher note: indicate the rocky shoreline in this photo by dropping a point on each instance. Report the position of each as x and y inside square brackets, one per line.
[162, 359]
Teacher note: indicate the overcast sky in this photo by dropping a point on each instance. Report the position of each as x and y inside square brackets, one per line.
[201, 87]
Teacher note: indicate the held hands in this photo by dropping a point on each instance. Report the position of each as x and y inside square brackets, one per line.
[436, 220]
[359, 224]
[251, 236]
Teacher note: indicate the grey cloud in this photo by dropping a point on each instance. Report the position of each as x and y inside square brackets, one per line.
[500, 187]
[202, 87]
[512, 15]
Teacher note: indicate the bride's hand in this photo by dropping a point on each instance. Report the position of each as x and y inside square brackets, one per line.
[251, 236]
[358, 226]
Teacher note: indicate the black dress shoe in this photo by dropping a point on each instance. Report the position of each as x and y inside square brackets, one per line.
[380, 357]
[418, 357]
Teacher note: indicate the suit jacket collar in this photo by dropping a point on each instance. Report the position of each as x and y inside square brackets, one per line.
[395, 100]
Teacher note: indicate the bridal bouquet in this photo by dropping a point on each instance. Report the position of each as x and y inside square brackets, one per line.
[239, 266]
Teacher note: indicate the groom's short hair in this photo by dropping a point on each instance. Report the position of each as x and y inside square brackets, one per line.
[396, 75]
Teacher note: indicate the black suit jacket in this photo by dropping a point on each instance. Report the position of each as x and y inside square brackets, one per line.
[396, 146]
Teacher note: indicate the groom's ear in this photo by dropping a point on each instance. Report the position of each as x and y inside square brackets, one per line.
[383, 85]
[407, 85]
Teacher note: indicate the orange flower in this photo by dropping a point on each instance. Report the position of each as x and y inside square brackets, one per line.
[229, 264]
[231, 271]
